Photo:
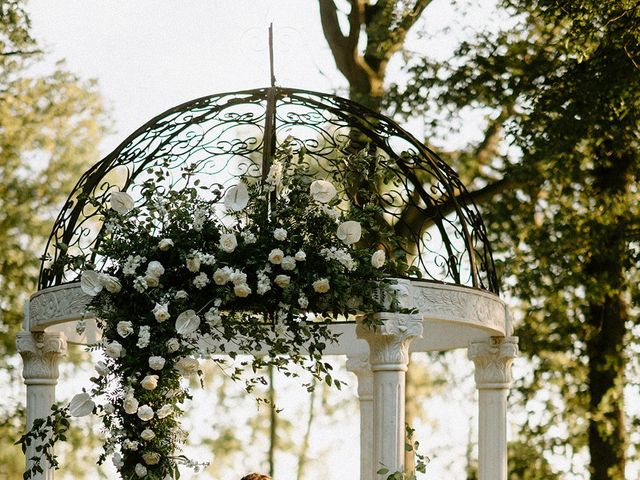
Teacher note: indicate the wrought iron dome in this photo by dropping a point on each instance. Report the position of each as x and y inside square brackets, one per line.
[222, 137]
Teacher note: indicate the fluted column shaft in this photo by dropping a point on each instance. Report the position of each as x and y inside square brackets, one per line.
[359, 365]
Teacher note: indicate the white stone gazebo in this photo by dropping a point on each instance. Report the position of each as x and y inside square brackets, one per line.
[229, 135]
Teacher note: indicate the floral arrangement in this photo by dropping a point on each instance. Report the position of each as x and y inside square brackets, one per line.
[255, 273]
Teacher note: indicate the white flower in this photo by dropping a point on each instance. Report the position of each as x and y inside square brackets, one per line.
[321, 286]
[333, 213]
[187, 322]
[274, 177]
[102, 369]
[187, 366]
[222, 275]
[172, 345]
[109, 409]
[114, 350]
[155, 269]
[81, 405]
[151, 281]
[165, 244]
[151, 458]
[322, 191]
[201, 280]
[90, 282]
[199, 217]
[161, 312]
[164, 411]
[141, 470]
[238, 277]
[117, 461]
[303, 301]
[288, 263]
[378, 258]
[112, 284]
[181, 295]
[148, 434]
[130, 405]
[248, 237]
[140, 284]
[237, 197]
[131, 444]
[280, 234]
[207, 258]
[193, 263]
[121, 202]
[156, 363]
[349, 232]
[275, 256]
[228, 242]
[124, 328]
[144, 336]
[150, 382]
[242, 290]
[145, 413]
[131, 264]
[212, 316]
[282, 280]
[300, 256]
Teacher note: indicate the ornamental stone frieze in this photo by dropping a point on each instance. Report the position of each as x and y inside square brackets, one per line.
[389, 342]
[493, 360]
[41, 353]
[57, 304]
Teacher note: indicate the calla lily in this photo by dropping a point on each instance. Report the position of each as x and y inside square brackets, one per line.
[91, 282]
[187, 322]
[322, 191]
[121, 202]
[81, 405]
[237, 197]
[349, 232]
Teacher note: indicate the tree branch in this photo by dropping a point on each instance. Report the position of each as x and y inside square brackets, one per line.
[20, 52]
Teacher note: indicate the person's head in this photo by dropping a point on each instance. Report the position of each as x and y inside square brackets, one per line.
[256, 476]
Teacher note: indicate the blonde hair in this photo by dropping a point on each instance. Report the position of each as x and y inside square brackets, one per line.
[256, 476]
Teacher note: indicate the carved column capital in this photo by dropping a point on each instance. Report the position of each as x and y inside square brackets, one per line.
[493, 360]
[359, 365]
[389, 342]
[40, 353]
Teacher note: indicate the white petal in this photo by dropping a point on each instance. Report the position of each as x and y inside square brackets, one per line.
[121, 202]
[81, 405]
[91, 282]
[237, 197]
[349, 232]
[322, 191]
[187, 322]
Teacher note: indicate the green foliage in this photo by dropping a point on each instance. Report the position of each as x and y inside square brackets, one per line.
[421, 460]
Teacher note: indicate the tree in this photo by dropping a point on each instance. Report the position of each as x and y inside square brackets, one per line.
[50, 126]
[563, 88]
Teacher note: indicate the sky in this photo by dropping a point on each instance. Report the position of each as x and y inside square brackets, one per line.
[148, 56]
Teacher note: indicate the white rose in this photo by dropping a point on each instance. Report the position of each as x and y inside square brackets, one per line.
[152, 281]
[102, 369]
[193, 264]
[130, 405]
[288, 263]
[242, 290]
[90, 282]
[181, 295]
[114, 350]
[321, 286]
[349, 232]
[145, 413]
[165, 244]
[117, 461]
[155, 269]
[378, 258]
[237, 197]
[141, 470]
[151, 458]
[150, 382]
[148, 434]
[228, 242]
[121, 202]
[156, 363]
[187, 366]
[300, 256]
[132, 445]
[124, 329]
[275, 256]
[161, 312]
[109, 409]
[282, 280]
[222, 275]
[322, 191]
[81, 405]
[112, 284]
[164, 411]
[280, 234]
[201, 280]
[187, 322]
[173, 345]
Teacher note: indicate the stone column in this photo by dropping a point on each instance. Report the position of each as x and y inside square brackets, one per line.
[389, 357]
[492, 361]
[359, 365]
[40, 353]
